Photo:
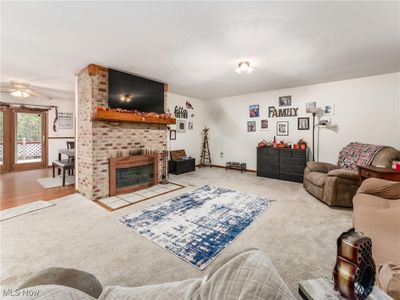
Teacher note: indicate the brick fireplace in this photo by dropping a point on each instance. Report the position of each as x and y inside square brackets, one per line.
[98, 141]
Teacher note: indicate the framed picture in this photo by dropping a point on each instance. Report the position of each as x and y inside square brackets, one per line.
[311, 107]
[172, 135]
[254, 111]
[329, 109]
[264, 124]
[303, 123]
[180, 126]
[190, 126]
[285, 101]
[251, 126]
[282, 128]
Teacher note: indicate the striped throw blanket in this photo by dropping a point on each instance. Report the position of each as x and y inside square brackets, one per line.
[357, 154]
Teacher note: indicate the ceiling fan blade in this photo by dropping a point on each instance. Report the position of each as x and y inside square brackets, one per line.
[36, 94]
[6, 90]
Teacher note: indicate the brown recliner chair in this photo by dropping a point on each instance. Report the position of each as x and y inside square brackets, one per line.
[337, 187]
[376, 213]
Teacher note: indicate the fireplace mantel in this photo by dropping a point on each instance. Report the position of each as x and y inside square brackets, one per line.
[114, 116]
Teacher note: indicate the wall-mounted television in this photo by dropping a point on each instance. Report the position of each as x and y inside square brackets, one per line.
[132, 92]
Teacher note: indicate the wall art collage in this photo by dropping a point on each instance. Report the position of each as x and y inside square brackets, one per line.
[284, 110]
[184, 119]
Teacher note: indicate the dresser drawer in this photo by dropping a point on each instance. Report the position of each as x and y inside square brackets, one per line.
[269, 174]
[268, 151]
[268, 167]
[292, 169]
[293, 161]
[268, 159]
[300, 153]
[291, 177]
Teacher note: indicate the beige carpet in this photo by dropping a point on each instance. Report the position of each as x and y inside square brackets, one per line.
[298, 233]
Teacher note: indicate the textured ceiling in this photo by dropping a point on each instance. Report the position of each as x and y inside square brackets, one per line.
[195, 46]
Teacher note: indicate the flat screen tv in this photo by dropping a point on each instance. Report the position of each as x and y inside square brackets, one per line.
[132, 92]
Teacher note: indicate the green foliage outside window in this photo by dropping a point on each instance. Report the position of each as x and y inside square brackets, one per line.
[28, 127]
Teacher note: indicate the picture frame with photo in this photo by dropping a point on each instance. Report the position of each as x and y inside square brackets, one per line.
[254, 110]
[251, 126]
[285, 101]
[172, 135]
[311, 107]
[180, 126]
[282, 128]
[303, 123]
[329, 109]
[264, 124]
[190, 126]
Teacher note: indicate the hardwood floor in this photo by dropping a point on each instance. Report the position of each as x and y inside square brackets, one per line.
[19, 188]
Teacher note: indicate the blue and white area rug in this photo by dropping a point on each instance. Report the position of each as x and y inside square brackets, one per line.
[197, 226]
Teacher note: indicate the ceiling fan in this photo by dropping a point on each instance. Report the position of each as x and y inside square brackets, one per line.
[21, 90]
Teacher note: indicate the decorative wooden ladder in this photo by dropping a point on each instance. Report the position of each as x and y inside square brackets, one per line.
[205, 158]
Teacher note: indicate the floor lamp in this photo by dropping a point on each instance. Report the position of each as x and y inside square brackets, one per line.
[314, 111]
[320, 123]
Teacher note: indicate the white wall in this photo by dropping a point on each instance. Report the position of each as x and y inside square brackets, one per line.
[366, 110]
[63, 106]
[191, 140]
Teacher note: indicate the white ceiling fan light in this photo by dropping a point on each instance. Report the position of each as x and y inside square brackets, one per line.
[244, 68]
[20, 94]
[21, 90]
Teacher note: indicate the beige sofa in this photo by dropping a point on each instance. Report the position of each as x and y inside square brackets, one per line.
[376, 213]
[337, 187]
[247, 276]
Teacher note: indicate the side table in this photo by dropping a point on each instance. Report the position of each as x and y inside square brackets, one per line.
[377, 172]
[322, 289]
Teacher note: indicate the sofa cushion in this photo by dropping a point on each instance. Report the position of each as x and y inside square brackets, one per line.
[316, 178]
[381, 188]
[170, 290]
[323, 167]
[389, 280]
[378, 218]
[248, 276]
[345, 174]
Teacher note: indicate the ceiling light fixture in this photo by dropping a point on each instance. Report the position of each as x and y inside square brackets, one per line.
[126, 98]
[20, 94]
[244, 68]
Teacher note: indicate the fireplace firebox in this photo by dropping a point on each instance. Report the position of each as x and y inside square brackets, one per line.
[132, 173]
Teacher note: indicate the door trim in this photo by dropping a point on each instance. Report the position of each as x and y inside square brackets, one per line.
[6, 166]
[13, 122]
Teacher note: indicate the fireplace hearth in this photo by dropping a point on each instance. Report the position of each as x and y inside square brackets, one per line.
[133, 173]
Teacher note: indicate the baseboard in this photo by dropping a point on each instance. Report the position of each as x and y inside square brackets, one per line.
[223, 167]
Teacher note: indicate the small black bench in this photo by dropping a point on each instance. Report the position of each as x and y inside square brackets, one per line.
[236, 166]
[64, 165]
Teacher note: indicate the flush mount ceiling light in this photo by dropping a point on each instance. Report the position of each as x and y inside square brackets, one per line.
[244, 68]
[126, 98]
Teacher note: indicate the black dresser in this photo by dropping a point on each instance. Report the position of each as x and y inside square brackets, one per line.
[282, 163]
